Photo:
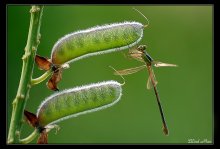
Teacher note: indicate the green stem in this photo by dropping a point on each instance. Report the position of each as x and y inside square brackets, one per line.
[26, 74]
[30, 138]
[41, 78]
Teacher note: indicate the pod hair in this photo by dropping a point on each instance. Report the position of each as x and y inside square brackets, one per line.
[96, 40]
[77, 101]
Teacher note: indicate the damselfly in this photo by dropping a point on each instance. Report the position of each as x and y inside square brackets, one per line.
[141, 54]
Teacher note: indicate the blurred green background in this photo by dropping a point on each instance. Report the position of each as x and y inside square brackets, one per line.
[180, 35]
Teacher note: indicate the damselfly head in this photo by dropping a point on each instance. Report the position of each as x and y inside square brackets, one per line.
[142, 48]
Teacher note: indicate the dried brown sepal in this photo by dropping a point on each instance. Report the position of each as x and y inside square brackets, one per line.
[43, 63]
[53, 81]
[31, 119]
[43, 138]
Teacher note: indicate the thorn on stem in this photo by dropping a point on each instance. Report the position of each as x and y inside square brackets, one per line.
[17, 133]
[20, 96]
[29, 85]
[38, 41]
[26, 55]
[34, 48]
[39, 36]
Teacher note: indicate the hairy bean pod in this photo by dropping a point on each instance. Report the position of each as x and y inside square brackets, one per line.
[96, 40]
[76, 101]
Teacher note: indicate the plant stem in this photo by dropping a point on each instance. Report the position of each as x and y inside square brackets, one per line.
[41, 78]
[30, 137]
[26, 74]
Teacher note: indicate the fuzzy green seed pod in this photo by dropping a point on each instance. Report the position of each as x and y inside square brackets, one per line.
[76, 101]
[96, 40]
